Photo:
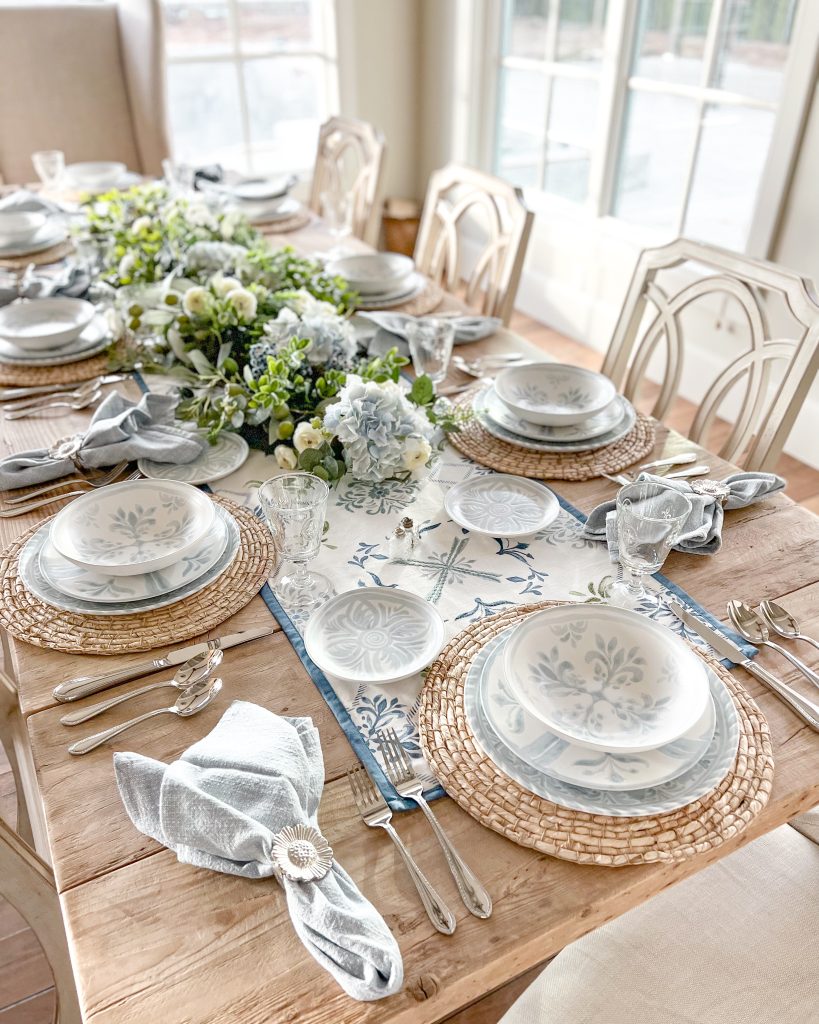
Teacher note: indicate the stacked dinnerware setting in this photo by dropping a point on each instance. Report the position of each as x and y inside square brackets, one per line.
[554, 407]
[51, 332]
[260, 200]
[130, 547]
[27, 232]
[381, 278]
[602, 710]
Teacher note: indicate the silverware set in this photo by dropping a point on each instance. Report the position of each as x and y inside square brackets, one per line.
[56, 390]
[21, 504]
[684, 459]
[82, 397]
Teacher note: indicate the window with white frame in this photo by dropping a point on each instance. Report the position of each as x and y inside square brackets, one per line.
[658, 112]
[250, 81]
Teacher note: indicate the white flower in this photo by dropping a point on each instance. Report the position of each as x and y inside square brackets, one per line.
[417, 451]
[141, 224]
[244, 302]
[200, 216]
[115, 323]
[223, 286]
[230, 222]
[196, 301]
[307, 436]
[126, 265]
[285, 457]
[303, 304]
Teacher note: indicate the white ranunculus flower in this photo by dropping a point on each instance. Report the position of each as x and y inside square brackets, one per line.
[417, 451]
[285, 457]
[224, 285]
[307, 436]
[196, 301]
[126, 265]
[244, 302]
[141, 224]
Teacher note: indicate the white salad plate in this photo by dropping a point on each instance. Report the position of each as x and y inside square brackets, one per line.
[95, 175]
[554, 394]
[33, 579]
[134, 527]
[500, 505]
[374, 635]
[18, 228]
[374, 274]
[700, 779]
[268, 213]
[44, 324]
[93, 340]
[526, 737]
[216, 461]
[51, 233]
[589, 429]
[414, 286]
[74, 581]
[606, 678]
[496, 430]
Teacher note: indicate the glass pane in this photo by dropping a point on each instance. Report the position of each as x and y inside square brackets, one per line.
[754, 47]
[206, 120]
[733, 148]
[521, 126]
[277, 25]
[671, 39]
[580, 31]
[656, 148]
[198, 28]
[525, 28]
[285, 97]
[572, 125]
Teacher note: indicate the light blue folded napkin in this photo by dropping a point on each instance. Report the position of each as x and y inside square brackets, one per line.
[702, 533]
[469, 327]
[26, 201]
[120, 430]
[221, 806]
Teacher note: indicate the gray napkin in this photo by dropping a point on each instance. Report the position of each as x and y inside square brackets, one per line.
[467, 327]
[221, 804]
[26, 201]
[702, 533]
[119, 430]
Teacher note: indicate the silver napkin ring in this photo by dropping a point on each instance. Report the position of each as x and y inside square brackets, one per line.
[68, 448]
[711, 489]
[301, 853]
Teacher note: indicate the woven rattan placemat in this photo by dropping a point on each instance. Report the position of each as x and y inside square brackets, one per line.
[29, 619]
[67, 373]
[53, 254]
[480, 446]
[500, 803]
[283, 225]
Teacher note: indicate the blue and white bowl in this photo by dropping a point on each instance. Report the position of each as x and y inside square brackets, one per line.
[553, 393]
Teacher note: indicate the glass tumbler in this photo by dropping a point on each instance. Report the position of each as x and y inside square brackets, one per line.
[50, 166]
[430, 344]
[295, 507]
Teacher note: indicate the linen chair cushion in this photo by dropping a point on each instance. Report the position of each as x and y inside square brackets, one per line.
[735, 944]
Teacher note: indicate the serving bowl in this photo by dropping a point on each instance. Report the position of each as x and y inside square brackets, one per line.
[554, 394]
[134, 527]
[373, 273]
[95, 175]
[17, 228]
[607, 678]
[45, 323]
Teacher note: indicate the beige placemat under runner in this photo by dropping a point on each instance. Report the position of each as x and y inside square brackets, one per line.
[500, 803]
[68, 373]
[27, 618]
[53, 254]
[480, 446]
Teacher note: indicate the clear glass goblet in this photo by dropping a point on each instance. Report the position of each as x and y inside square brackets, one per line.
[50, 167]
[430, 344]
[295, 507]
[337, 211]
[650, 520]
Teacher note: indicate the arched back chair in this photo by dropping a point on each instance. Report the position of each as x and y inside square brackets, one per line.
[350, 159]
[460, 198]
[685, 277]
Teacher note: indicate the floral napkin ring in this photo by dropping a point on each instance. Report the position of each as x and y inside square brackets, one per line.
[301, 853]
[715, 489]
[68, 448]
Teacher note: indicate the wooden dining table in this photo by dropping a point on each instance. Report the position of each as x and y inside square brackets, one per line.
[154, 940]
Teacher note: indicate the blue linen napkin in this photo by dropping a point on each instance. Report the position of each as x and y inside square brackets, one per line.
[702, 533]
[120, 430]
[220, 807]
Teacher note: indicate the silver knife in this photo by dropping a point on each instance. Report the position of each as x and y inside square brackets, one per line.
[84, 686]
[7, 394]
[806, 709]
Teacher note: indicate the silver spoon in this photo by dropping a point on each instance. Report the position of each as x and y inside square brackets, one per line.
[75, 404]
[88, 388]
[195, 670]
[783, 623]
[750, 625]
[672, 460]
[189, 702]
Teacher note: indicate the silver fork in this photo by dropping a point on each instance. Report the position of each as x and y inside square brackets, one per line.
[21, 510]
[476, 899]
[100, 481]
[373, 809]
[68, 403]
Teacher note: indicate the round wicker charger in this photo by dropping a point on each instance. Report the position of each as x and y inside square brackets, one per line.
[480, 446]
[29, 619]
[283, 225]
[53, 254]
[68, 373]
[498, 802]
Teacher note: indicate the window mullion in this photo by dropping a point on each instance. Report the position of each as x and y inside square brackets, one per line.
[548, 81]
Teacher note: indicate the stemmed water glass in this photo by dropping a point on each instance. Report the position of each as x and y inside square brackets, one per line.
[336, 209]
[295, 506]
[50, 167]
[650, 520]
[430, 343]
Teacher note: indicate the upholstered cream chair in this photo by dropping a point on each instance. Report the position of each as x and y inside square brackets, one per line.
[88, 79]
[682, 291]
[350, 159]
[462, 203]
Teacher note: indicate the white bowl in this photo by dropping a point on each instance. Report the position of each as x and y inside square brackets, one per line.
[96, 175]
[262, 190]
[18, 228]
[45, 323]
[132, 528]
[553, 393]
[606, 678]
[373, 273]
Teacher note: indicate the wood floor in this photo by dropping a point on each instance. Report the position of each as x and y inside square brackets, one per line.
[26, 992]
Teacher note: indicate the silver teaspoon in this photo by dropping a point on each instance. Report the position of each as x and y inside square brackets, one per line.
[750, 625]
[783, 623]
[188, 703]
[194, 670]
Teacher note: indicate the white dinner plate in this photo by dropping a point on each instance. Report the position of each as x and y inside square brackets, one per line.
[216, 461]
[94, 339]
[41, 326]
[500, 505]
[259, 213]
[52, 233]
[588, 429]
[374, 635]
[416, 284]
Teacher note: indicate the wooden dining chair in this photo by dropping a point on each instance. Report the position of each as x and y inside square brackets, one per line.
[689, 289]
[88, 79]
[350, 160]
[466, 208]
